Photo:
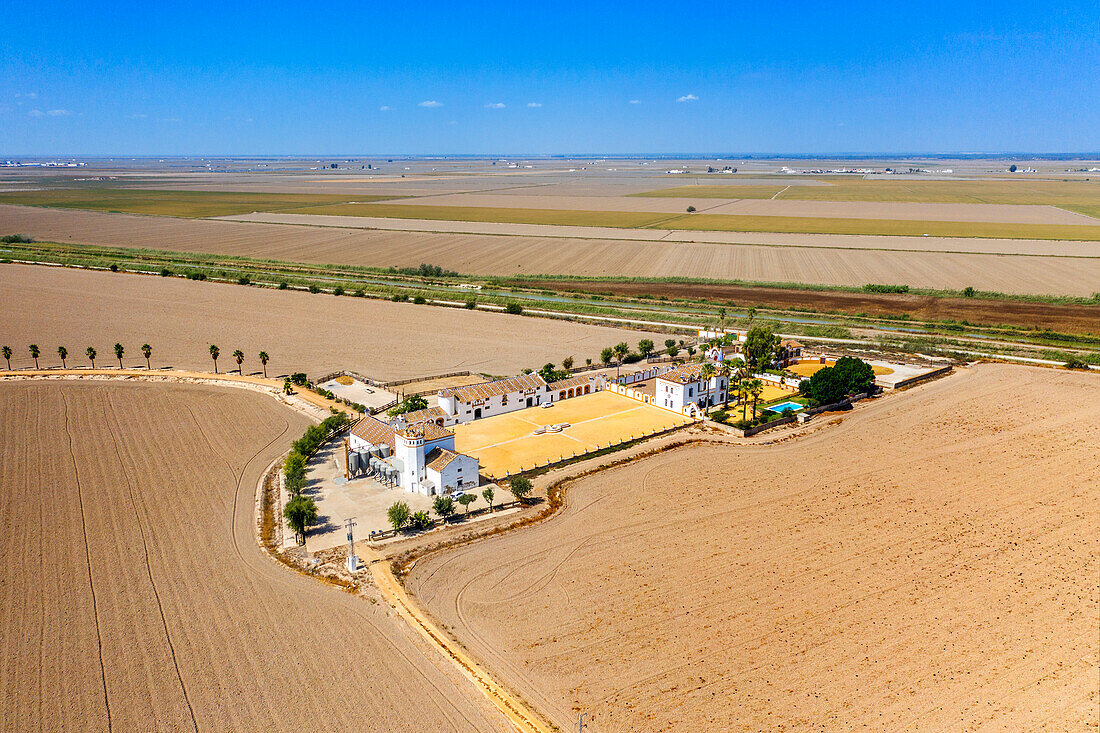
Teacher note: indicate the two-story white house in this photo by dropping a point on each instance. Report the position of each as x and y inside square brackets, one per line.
[420, 457]
[685, 386]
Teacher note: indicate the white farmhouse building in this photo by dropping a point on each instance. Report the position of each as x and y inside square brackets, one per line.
[473, 402]
[418, 457]
[685, 386]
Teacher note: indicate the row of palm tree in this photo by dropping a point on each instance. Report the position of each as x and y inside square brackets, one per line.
[238, 356]
[120, 351]
[741, 375]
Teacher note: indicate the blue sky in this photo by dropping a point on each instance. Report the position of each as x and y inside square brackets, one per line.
[426, 78]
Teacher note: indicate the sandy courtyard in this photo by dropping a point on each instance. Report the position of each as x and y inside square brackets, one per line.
[930, 563]
[505, 444]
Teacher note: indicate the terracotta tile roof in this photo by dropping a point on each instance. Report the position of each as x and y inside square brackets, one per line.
[373, 431]
[683, 375]
[439, 458]
[425, 430]
[791, 344]
[428, 414]
[570, 383]
[485, 390]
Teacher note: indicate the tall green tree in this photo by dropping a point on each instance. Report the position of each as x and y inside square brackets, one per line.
[621, 350]
[300, 513]
[724, 371]
[520, 487]
[760, 346]
[756, 388]
[466, 500]
[215, 352]
[238, 356]
[119, 351]
[444, 506]
[744, 386]
[398, 514]
[487, 495]
[6, 351]
[147, 352]
[645, 347]
[263, 360]
[90, 351]
[567, 363]
[706, 373]
[35, 353]
[64, 354]
[606, 355]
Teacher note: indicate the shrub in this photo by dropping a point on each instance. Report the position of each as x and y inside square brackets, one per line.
[1075, 362]
[399, 297]
[691, 209]
[632, 358]
[471, 304]
[878, 288]
[283, 285]
[314, 289]
[420, 520]
[338, 290]
[243, 280]
[514, 308]
[299, 378]
[360, 293]
[165, 272]
[114, 267]
[196, 276]
[720, 416]
[420, 300]
[968, 292]
[15, 239]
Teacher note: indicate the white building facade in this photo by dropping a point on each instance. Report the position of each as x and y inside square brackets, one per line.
[685, 386]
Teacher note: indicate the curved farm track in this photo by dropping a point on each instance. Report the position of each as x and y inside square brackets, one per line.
[929, 563]
[136, 597]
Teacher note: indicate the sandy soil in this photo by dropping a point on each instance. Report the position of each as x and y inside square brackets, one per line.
[928, 564]
[523, 249]
[1014, 213]
[302, 332]
[137, 598]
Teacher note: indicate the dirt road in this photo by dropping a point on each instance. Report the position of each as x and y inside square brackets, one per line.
[136, 597]
[929, 563]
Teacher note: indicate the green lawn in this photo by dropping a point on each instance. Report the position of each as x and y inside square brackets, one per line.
[191, 204]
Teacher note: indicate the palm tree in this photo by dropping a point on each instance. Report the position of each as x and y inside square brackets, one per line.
[751, 313]
[621, 350]
[91, 355]
[705, 373]
[725, 370]
[119, 351]
[34, 354]
[147, 351]
[756, 388]
[744, 387]
[238, 356]
[64, 354]
[263, 360]
[6, 351]
[215, 352]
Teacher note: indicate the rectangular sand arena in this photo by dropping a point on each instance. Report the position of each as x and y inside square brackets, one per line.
[505, 444]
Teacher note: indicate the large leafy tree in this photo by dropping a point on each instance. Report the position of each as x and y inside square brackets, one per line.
[300, 513]
[760, 346]
[398, 514]
[444, 506]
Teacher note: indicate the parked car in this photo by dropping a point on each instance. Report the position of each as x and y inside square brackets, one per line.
[457, 493]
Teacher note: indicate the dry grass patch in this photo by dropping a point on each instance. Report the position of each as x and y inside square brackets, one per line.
[187, 204]
[497, 214]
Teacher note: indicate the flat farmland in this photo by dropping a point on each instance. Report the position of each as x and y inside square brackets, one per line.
[1067, 194]
[302, 332]
[1012, 266]
[140, 599]
[929, 563]
[173, 203]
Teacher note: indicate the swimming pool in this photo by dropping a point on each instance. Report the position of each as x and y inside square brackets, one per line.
[792, 406]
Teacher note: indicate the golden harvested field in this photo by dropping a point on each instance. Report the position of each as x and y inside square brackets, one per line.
[710, 222]
[136, 597]
[930, 564]
[173, 203]
[505, 444]
[1069, 194]
[302, 332]
[827, 260]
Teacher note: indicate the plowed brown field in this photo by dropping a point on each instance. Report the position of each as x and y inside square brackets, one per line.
[929, 564]
[302, 332]
[135, 596]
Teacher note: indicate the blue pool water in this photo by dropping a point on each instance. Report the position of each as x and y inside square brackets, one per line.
[794, 406]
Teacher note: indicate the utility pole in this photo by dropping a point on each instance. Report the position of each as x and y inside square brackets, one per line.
[353, 560]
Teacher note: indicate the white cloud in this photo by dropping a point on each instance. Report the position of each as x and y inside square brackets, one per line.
[384, 108]
[495, 105]
[36, 113]
[59, 113]
[27, 95]
[430, 103]
[138, 116]
[688, 98]
[534, 104]
[635, 101]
